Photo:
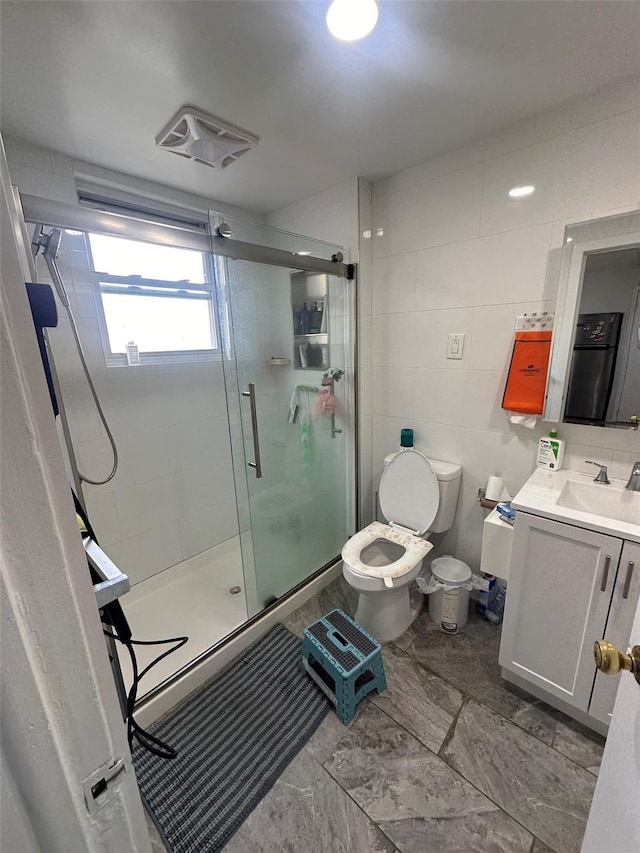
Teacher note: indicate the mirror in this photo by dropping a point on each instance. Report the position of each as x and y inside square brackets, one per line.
[594, 371]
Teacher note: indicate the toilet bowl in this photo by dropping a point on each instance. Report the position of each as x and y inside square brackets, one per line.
[417, 496]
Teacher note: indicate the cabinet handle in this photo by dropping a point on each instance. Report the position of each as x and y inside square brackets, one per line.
[605, 573]
[627, 580]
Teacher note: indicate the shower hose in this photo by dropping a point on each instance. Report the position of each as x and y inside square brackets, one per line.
[50, 244]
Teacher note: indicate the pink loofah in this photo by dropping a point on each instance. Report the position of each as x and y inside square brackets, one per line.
[327, 403]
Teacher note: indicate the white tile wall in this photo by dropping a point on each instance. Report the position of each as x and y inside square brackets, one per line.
[145, 554]
[45, 184]
[394, 284]
[101, 507]
[488, 271]
[402, 340]
[207, 527]
[588, 170]
[143, 506]
[492, 333]
[452, 253]
[440, 395]
[621, 462]
[188, 444]
[143, 456]
[331, 215]
[448, 208]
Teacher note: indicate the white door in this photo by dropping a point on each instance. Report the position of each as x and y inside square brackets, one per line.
[60, 717]
[614, 820]
[560, 590]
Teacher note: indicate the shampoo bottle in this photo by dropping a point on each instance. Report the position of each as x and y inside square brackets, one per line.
[550, 451]
[305, 319]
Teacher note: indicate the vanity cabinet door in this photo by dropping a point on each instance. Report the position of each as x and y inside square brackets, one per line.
[626, 595]
[558, 598]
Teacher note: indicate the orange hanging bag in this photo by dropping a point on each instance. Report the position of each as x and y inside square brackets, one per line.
[527, 380]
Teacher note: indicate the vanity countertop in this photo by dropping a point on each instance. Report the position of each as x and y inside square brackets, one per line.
[574, 498]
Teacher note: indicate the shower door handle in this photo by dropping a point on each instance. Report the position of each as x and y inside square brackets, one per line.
[251, 394]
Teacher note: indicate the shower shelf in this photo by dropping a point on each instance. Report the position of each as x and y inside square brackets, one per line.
[310, 349]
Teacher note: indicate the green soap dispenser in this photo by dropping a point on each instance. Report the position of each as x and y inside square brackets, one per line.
[551, 451]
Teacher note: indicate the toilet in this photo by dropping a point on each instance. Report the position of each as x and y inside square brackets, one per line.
[418, 496]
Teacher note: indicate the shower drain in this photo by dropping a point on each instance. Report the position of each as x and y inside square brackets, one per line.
[235, 590]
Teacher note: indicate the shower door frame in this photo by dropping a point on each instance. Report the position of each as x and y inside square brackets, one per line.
[284, 259]
[40, 211]
[57, 214]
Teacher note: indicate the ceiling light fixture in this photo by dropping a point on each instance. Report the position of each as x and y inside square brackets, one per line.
[521, 192]
[350, 20]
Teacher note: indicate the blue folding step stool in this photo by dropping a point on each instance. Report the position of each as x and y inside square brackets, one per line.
[343, 660]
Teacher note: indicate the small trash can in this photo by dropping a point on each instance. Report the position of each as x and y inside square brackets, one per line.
[449, 605]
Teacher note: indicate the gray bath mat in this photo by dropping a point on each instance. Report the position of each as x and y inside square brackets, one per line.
[234, 737]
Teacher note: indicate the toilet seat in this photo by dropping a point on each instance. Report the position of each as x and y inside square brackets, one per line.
[415, 549]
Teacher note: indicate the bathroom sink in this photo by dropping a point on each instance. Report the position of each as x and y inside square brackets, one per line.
[575, 499]
[597, 499]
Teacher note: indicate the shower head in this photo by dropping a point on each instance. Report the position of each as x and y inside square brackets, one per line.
[52, 245]
[49, 243]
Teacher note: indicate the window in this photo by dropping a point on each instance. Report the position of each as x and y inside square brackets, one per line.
[159, 298]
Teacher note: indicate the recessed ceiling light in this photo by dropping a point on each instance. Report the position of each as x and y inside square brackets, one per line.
[521, 192]
[569, 239]
[350, 20]
[302, 253]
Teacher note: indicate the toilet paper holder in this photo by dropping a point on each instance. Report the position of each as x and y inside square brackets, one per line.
[484, 502]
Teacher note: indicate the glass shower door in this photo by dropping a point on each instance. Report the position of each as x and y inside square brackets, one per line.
[291, 434]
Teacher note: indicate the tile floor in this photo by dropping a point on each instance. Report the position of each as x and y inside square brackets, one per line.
[449, 758]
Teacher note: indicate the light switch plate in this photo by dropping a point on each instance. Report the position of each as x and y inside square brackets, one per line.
[455, 345]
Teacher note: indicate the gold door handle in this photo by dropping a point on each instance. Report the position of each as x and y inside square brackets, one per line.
[610, 660]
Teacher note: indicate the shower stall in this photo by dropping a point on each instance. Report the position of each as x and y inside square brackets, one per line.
[223, 357]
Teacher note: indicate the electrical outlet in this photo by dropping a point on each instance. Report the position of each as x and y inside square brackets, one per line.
[455, 345]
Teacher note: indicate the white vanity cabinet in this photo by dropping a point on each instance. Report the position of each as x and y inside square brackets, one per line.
[569, 586]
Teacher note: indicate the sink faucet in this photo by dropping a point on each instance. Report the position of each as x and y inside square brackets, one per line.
[603, 475]
[634, 479]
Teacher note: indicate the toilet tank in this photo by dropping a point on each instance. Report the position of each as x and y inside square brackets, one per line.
[448, 475]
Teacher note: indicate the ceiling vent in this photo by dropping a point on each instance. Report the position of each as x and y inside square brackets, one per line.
[205, 138]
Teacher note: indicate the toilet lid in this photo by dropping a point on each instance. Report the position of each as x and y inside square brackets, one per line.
[409, 493]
